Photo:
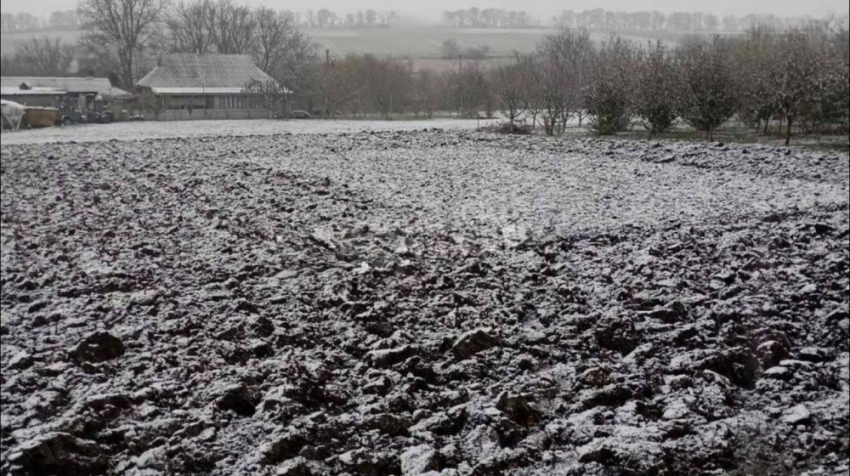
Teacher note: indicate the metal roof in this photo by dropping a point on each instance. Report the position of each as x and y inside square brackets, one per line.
[4, 91]
[202, 91]
[186, 70]
[70, 84]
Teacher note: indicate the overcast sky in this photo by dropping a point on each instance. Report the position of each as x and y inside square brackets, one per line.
[541, 9]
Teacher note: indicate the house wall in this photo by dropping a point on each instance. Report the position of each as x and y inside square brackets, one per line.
[44, 100]
[218, 101]
[207, 114]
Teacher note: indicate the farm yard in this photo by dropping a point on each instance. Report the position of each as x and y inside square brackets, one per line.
[364, 298]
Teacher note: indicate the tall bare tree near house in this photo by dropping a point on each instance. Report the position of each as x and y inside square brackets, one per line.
[126, 26]
[191, 27]
[44, 57]
[284, 52]
[279, 48]
[234, 28]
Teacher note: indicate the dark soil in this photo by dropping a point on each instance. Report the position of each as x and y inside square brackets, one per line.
[456, 303]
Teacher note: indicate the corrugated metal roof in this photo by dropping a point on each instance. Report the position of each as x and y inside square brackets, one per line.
[197, 91]
[72, 85]
[202, 91]
[30, 92]
[203, 71]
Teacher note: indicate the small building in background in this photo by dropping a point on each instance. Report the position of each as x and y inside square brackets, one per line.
[81, 95]
[190, 86]
[32, 96]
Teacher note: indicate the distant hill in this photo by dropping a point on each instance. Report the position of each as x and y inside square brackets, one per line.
[420, 43]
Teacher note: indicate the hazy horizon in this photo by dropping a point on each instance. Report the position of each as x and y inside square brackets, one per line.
[540, 9]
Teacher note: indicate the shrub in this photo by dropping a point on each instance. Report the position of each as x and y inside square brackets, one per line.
[608, 98]
[709, 98]
[657, 91]
[511, 128]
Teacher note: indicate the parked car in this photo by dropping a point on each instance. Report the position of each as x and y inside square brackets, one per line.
[300, 115]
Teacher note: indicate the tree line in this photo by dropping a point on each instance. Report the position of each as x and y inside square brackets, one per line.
[599, 19]
[318, 19]
[24, 22]
[795, 77]
[488, 18]
[681, 22]
[799, 77]
[794, 80]
[325, 18]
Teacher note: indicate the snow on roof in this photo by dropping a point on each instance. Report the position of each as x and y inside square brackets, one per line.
[197, 91]
[187, 70]
[11, 104]
[71, 85]
[8, 91]
[202, 91]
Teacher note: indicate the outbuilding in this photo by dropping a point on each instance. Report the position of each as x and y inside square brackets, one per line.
[78, 94]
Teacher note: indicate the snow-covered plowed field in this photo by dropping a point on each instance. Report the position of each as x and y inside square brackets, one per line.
[421, 302]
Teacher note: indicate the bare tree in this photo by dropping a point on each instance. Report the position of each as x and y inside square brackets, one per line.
[609, 95]
[273, 97]
[44, 57]
[753, 57]
[568, 55]
[471, 90]
[709, 97]
[279, 46]
[234, 28]
[799, 78]
[190, 26]
[386, 84]
[450, 49]
[425, 95]
[657, 90]
[126, 26]
[508, 84]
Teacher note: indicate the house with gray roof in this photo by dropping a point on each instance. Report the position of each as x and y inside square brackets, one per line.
[212, 86]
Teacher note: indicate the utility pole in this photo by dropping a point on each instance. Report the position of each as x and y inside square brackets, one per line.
[460, 81]
[327, 81]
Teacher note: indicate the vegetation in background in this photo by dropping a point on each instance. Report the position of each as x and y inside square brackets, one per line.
[791, 78]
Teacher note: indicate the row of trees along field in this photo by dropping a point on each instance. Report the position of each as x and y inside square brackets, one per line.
[19, 22]
[595, 20]
[604, 20]
[679, 22]
[799, 78]
[488, 18]
[322, 18]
